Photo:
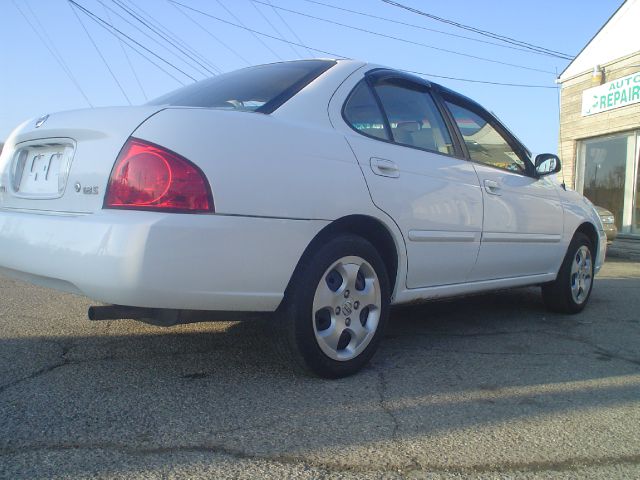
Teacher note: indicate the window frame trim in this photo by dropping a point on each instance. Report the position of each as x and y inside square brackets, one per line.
[385, 121]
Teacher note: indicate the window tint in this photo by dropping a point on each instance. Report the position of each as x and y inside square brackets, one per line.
[414, 118]
[362, 113]
[484, 142]
[262, 89]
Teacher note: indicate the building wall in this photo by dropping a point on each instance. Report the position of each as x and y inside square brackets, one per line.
[575, 127]
[616, 39]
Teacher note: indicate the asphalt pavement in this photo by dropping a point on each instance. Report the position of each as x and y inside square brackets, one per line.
[490, 386]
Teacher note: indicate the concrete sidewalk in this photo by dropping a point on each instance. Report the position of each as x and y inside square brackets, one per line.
[625, 247]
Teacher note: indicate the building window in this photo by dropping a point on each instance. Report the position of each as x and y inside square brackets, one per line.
[608, 176]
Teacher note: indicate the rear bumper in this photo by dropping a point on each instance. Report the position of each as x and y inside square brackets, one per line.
[157, 260]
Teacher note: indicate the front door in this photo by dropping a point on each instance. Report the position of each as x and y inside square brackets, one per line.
[523, 216]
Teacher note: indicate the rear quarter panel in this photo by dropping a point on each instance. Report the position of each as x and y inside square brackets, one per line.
[259, 165]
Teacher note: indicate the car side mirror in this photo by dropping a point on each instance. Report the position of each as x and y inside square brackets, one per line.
[546, 164]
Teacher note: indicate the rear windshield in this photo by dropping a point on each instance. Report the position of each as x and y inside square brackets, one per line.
[256, 89]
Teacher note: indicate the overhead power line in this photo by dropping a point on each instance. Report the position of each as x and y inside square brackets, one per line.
[486, 82]
[126, 56]
[148, 17]
[332, 54]
[204, 68]
[420, 27]
[286, 24]
[254, 35]
[479, 31]
[52, 50]
[336, 55]
[208, 32]
[411, 42]
[109, 27]
[167, 49]
[104, 60]
[275, 29]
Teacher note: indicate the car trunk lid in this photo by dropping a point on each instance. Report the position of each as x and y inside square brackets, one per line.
[61, 162]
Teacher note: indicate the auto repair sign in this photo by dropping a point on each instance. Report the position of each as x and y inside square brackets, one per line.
[615, 94]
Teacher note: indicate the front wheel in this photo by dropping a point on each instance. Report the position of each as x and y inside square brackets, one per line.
[337, 307]
[571, 290]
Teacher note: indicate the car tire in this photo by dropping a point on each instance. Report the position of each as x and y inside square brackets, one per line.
[336, 307]
[570, 291]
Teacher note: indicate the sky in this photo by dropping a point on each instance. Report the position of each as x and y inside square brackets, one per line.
[107, 72]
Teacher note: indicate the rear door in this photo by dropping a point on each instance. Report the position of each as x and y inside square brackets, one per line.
[415, 174]
[523, 216]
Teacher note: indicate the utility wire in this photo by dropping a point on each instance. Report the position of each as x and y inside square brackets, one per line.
[254, 35]
[564, 184]
[486, 33]
[288, 26]
[411, 42]
[486, 82]
[51, 49]
[45, 34]
[205, 30]
[126, 55]
[157, 42]
[273, 27]
[412, 25]
[110, 27]
[336, 55]
[143, 55]
[104, 60]
[144, 14]
[138, 51]
[165, 38]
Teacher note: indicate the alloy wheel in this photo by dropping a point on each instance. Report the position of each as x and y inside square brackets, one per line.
[346, 308]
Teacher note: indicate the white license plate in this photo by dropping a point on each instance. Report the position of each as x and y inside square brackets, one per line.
[41, 170]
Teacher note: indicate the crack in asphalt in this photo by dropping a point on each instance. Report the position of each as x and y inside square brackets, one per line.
[36, 374]
[67, 362]
[462, 335]
[567, 465]
[64, 350]
[382, 402]
[571, 464]
[599, 349]
[533, 354]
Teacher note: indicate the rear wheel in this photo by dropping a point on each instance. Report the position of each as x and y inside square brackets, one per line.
[571, 290]
[336, 307]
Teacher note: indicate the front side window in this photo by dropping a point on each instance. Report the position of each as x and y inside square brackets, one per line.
[485, 144]
[362, 113]
[413, 117]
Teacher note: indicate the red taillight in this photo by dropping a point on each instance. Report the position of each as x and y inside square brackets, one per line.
[149, 177]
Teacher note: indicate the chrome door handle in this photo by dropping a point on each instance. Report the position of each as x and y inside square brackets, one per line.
[492, 187]
[384, 168]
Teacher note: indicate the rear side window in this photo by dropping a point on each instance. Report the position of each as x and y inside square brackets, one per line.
[363, 114]
[258, 89]
[413, 117]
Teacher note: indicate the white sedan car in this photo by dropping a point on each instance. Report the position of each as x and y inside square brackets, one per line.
[321, 190]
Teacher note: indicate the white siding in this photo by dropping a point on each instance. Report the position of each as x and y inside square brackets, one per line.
[617, 39]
